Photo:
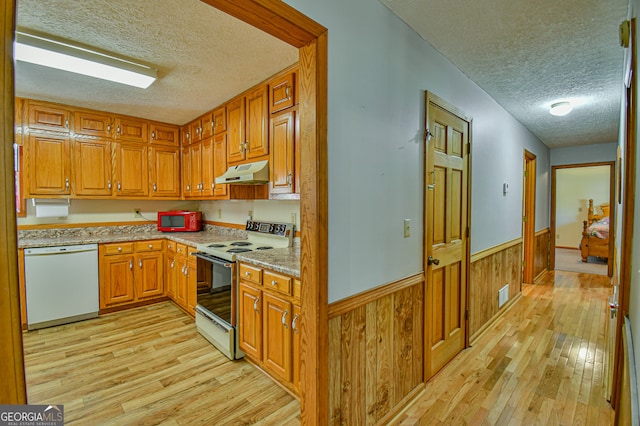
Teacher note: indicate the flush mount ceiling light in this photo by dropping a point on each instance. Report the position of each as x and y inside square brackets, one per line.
[560, 108]
[63, 56]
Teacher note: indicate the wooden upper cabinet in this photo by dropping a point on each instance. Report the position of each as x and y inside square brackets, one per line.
[185, 135]
[131, 130]
[282, 92]
[206, 129]
[164, 172]
[282, 160]
[164, 134]
[195, 165]
[206, 168]
[48, 117]
[195, 130]
[185, 167]
[236, 131]
[132, 170]
[92, 167]
[257, 123]
[220, 164]
[92, 123]
[48, 164]
[219, 117]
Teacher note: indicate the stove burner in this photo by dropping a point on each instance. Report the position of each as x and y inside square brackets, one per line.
[216, 245]
[238, 250]
[241, 243]
[264, 248]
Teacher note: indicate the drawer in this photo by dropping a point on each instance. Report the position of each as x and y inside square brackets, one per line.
[171, 246]
[250, 273]
[190, 250]
[296, 289]
[278, 282]
[181, 248]
[118, 248]
[151, 245]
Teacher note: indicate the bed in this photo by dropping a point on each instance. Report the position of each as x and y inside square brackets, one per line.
[595, 233]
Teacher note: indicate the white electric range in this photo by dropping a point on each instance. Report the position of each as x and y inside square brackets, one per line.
[217, 302]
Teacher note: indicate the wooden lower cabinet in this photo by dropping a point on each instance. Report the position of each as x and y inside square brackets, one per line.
[131, 273]
[183, 281]
[268, 325]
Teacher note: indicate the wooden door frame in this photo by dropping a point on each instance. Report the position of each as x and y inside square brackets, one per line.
[13, 389]
[428, 230]
[612, 210]
[529, 211]
[292, 27]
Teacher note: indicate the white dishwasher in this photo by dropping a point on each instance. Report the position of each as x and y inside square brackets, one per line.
[61, 284]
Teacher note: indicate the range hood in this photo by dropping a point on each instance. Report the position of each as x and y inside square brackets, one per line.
[248, 174]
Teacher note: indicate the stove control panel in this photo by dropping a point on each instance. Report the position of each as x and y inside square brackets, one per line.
[273, 228]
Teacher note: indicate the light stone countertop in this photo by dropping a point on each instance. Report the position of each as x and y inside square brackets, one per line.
[283, 260]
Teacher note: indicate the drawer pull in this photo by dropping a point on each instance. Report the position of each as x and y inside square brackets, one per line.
[247, 274]
[284, 319]
[274, 283]
[119, 248]
[131, 265]
[140, 263]
[173, 264]
[294, 324]
[255, 304]
[150, 246]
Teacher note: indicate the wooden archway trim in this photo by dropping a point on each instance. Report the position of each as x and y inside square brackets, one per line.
[284, 22]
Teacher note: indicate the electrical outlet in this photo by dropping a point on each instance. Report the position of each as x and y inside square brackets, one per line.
[136, 213]
[407, 228]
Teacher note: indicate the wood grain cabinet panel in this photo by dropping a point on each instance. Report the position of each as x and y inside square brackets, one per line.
[92, 167]
[236, 131]
[131, 130]
[277, 315]
[164, 172]
[164, 134]
[219, 117]
[92, 123]
[171, 273]
[282, 92]
[220, 190]
[50, 117]
[132, 170]
[257, 124]
[48, 164]
[250, 324]
[117, 281]
[282, 161]
[206, 168]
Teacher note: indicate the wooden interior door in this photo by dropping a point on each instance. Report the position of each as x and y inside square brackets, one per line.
[529, 217]
[447, 231]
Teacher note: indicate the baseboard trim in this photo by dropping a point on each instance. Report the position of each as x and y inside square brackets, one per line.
[493, 319]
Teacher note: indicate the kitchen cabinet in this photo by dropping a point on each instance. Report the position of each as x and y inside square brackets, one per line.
[131, 129]
[282, 92]
[92, 167]
[48, 164]
[164, 134]
[283, 160]
[220, 190]
[219, 117]
[247, 127]
[90, 123]
[268, 326]
[186, 278]
[164, 172]
[131, 272]
[171, 273]
[43, 116]
[131, 170]
[208, 160]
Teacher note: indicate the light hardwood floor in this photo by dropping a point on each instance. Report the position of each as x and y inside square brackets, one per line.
[542, 362]
[148, 366]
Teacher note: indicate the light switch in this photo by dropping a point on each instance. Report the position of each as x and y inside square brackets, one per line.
[407, 228]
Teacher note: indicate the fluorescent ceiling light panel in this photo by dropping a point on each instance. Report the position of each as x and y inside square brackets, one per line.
[62, 56]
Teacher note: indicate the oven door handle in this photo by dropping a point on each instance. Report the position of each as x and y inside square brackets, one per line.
[215, 260]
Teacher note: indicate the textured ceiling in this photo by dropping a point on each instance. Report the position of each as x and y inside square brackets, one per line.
[203, 56]
[527, 54]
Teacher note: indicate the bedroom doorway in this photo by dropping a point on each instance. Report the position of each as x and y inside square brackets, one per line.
[582, 193]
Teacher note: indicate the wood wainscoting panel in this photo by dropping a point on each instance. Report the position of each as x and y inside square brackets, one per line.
[541, 253]
[487, 276]
[376, 353]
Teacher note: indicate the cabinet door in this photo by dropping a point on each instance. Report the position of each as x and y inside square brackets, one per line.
[206, 123]
[207, 167]
[181, 281]
[185, 135]
[186, 172]
[132, 170]
[257, 123]
[235, 131]
[250, 327]
[282, 92]
[195, 153]
[219, 120]
[164, 134]
[92, 166]
[295, 347]
[192, 284]
[92, 124]
[282, 153]
[48, 117]
[171, 274]
[117, 283]
[149, 275]
[277, 336]
[48, 165]
[165, 172]
[195, 130]
[131, 130]
[219, 163]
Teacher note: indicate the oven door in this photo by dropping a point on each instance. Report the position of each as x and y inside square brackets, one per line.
[217, 290]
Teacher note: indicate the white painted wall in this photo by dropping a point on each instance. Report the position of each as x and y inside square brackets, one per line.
[574, 188]
[584, 154]
[378, 72]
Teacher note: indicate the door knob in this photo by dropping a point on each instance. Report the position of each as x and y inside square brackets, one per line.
[432, 261]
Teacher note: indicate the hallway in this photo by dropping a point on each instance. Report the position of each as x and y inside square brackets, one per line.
[542, 362]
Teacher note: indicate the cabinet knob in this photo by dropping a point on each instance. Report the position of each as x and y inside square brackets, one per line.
[118, 130]
[150, 246]
[108, 128]
[247, 274]
[109, 184]
[66, 183]
[119, 186]
[255, 304]
[131, 265]
[274, 283]
[188, 187]
[153, 135]
[66, 123]
[284, 319]
[155, 187]
[286, 91]
[173, 263]
[119, 248]
[294, 325]
[140, 263]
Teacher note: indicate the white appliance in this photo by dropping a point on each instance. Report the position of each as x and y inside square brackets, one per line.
[217, 304]
[248, 174]
[61, 284]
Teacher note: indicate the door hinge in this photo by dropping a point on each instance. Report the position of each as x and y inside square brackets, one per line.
[468, 232]
[526, 173]
[524, 218]
[524, 264]
[468, 148]
[466, 314]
